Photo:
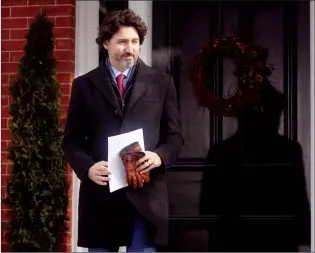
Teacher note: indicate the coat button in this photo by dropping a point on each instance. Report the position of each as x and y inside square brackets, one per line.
[116, 112]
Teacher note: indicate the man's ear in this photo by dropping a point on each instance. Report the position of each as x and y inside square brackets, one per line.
[105, 44]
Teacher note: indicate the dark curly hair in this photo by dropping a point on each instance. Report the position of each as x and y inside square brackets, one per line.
[116, 19]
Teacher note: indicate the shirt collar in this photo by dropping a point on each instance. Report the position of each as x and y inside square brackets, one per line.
[116, 72]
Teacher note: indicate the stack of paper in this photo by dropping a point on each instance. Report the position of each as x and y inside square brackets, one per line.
[118, 179]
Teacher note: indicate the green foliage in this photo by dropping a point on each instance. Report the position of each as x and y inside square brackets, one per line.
[38, 188]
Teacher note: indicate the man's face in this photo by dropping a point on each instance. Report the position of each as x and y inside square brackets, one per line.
[123, 48]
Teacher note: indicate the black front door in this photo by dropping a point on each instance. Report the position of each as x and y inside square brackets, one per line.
[229, 191]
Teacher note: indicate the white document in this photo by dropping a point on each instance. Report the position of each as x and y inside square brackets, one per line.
[118, 179]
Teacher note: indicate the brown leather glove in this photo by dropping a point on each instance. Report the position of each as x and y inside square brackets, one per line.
[145, 176]
[130, 155]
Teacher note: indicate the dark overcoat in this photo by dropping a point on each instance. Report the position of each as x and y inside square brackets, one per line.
[94, 114]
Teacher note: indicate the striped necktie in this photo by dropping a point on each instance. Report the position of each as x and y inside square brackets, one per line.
[120, 85]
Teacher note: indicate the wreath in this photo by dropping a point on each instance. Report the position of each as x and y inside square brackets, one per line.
[251, 71]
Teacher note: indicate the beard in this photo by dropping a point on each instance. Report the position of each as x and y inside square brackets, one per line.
[127, 63]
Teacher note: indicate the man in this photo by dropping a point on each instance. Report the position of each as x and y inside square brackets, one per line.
[121, 95]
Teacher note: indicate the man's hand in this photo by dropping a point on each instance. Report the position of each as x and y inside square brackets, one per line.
[150, 161]
[99, 173]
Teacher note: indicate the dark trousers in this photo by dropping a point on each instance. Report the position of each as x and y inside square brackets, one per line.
[140, 240]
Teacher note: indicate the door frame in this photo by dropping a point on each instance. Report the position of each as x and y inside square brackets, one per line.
[86, 59]
[312, 79]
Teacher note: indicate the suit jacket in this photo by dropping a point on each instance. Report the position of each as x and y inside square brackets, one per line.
[94, 114]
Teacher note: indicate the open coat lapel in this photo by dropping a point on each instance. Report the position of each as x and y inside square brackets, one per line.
[142, 80]
[101, 78]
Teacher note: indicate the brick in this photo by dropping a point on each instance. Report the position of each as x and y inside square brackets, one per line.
[8, 118]
[65, 22]
[12, 45]
[9, 169]
[7, 23]
[3, 192]
[8, 165]
[65, 66]
[65, 89]
[69, 247]
[5, 56]
[68, 223]
[64, 77]
[68, 236]
[4, 101]
[63, 121]
[65, 100]
[5, 12]
[63, 113]
[16, 56]
[5, 90]
[69, 212]
[63, 109]
[5, 34]
[13, 76]
[64, 32]
[4, 123]
[11, 100]
[4, 179]
[3, 168]
[5, 78]
[25, 11]
[65, 44]
[9, 67]
[60, 2]
[69, 177]
[4, 111]
[6, 135]
[2, 236]
[52, 19]
[41, 2]
[4, 215]
[13, 2]
[4, 206]
[4, 147]
[60, 10]
[64, 55]
[4, 154]
[63, 248]
[18, 34]
[5, 247]
[8, 162]
[69, 169]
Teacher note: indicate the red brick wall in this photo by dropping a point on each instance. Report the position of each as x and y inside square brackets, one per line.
[15, 20]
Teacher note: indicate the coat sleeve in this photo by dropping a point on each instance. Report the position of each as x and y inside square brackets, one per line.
[74, 142]
[171, 139]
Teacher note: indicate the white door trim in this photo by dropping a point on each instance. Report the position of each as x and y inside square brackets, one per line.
[86, 59]
[312, 78]
[145, 10]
